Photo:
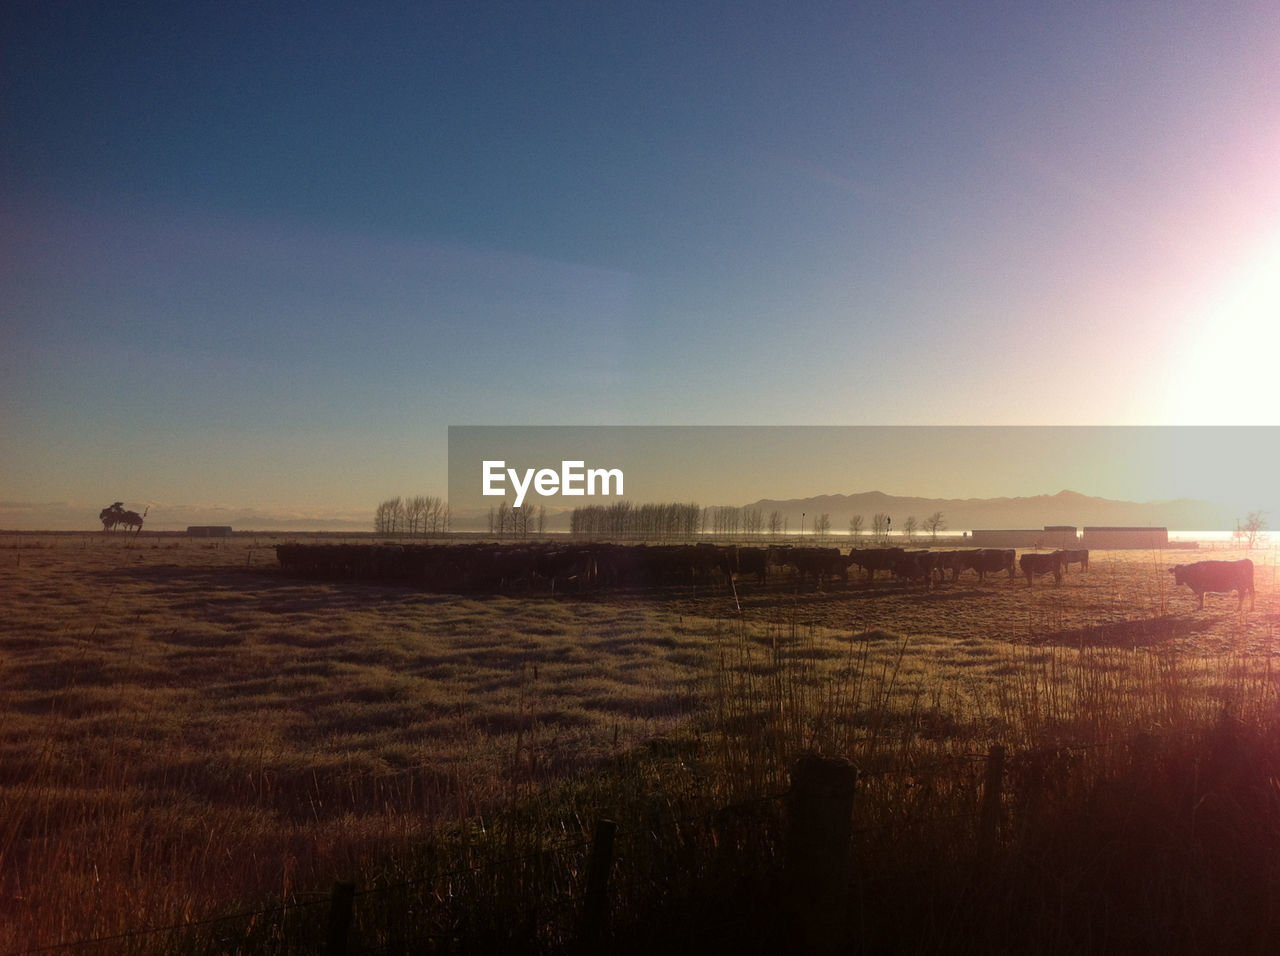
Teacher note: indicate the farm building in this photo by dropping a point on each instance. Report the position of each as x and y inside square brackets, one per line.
[209, 530]
[1125, 538]
[1059, 536]
[1008, 538]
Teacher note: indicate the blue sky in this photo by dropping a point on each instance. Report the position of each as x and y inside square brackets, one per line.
[256, 258]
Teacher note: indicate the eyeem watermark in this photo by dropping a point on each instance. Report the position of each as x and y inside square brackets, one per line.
[573, 479]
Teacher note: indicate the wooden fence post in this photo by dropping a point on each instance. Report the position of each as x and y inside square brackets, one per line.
[989, 818]
[595, 900]
[341, 905]
[819, 831]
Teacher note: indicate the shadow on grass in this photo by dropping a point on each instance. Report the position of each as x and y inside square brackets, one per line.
[204, 588]
[1141, 633]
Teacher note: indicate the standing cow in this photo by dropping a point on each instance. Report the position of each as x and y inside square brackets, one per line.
[1033, 564]
[1078, 556]
[1219, 577]
[990, 560]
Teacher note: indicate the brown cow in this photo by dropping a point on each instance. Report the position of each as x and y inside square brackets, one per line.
[1078, 556]
[1033, 564]
[984, 560]
[1218, 577]
[872, 560]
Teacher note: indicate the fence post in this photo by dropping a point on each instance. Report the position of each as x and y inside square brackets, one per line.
[341, 905]
[819, 811]
[595, 899]
[989, 818]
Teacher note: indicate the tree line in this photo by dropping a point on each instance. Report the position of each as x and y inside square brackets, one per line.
[623, 519]
[419, 515]
[656, 521]
[430, 515]
[506, 520]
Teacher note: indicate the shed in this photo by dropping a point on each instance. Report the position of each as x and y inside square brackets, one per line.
[1008, 538]
[1059, 536]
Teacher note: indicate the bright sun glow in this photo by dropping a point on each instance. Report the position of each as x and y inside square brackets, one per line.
[1225, 374]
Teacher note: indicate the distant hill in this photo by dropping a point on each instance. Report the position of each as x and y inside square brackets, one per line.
[1064, 508]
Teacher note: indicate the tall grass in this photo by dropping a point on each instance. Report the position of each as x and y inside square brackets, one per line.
[211, 743]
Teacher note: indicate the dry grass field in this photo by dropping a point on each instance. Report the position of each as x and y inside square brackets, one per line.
[185, 730]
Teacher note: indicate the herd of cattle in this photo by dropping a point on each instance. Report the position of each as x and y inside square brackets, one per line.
[584, 567]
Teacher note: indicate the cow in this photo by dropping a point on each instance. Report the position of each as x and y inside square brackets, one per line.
[984, 560]
[754, 561]
[1218, 577]
[953, 561]
[821, 563]
[1080, 557]
[572, 568]
[1033, 564]
[916, 566]
[872, 560]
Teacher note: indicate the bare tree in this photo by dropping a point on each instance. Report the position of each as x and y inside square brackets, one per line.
[437, 515]
[1248, 533]
[415, 514]
[880, 525]
[395, 515]
[527, 520]
[724, 519]
[775, 523]
[822, 525]
[909, 527]
[935, 523]
[855, 527]
[387, 515]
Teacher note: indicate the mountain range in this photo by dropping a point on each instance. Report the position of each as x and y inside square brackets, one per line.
[1063, 508]
[959, 514]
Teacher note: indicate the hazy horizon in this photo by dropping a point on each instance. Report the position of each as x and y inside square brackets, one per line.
[260, 263]
[70, 517]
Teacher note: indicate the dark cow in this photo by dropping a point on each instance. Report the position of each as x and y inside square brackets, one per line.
[993, 560]
[1033, 564]
[754, 561]
[1079, 556]
[572, 568]
[821, 563]
[953, 561]
[916, 566]
[872, 560]
[1218, 577]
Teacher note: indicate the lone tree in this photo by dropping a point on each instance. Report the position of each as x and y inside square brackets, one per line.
[822, 525]
[880, 525]
[110, 517]
[1248, 532]
[935, 523]
[909, 527]
[117, 515]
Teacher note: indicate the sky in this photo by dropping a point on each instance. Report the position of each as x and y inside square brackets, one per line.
[255, 259]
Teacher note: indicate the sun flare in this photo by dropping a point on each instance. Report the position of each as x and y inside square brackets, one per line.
[1222, 376]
